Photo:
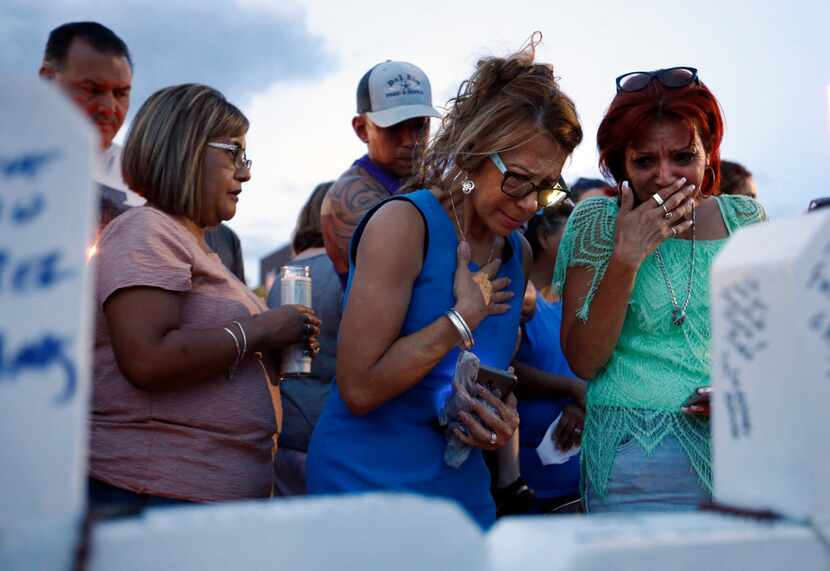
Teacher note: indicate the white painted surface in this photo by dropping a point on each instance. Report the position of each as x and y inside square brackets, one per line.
[377, 531]
[687, 542]
[46, 220]
[771, 367]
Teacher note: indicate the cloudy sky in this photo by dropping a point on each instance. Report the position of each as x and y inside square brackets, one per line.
[293, 67]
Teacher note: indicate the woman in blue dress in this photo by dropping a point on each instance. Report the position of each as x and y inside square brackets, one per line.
[440, 267]
[547, 387]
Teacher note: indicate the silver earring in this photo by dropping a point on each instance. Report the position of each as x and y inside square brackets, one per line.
[468, 186]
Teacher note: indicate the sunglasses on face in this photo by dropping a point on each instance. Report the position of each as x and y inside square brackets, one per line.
[672, 78]
[519, 186]
[240, 159]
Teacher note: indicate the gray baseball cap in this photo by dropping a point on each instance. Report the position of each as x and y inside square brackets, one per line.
[394, 91]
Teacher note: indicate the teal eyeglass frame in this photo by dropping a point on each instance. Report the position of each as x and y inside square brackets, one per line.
[549, 196]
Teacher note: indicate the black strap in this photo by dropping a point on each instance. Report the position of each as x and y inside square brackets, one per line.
[358, 233]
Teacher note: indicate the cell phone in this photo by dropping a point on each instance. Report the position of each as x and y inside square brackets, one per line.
[498, 381]
[701, 395]
[818, 203]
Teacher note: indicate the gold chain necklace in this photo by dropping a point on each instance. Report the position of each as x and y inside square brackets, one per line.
[492, 255]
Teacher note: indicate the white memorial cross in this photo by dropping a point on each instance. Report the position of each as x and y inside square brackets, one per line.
[46, 219]
[771, 368]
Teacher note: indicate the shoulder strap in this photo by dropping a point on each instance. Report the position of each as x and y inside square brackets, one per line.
[358, 233]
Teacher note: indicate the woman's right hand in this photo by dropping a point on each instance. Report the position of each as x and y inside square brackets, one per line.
[469, 299]
[492, 430]
[640, 230]
[291, 324]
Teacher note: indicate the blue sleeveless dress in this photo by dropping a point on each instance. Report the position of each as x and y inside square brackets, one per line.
[541, 349]
[397, 446]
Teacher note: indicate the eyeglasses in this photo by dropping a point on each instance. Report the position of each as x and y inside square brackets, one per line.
[673, 78]
[240, 159]
[518, 186]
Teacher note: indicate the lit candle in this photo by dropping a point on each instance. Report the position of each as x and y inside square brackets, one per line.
[91, 251]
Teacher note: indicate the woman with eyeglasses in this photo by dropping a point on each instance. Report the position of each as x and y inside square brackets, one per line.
[435, 271]
[634, 277]
[185, 405]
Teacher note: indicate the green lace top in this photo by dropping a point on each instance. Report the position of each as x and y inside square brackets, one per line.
[655, 365]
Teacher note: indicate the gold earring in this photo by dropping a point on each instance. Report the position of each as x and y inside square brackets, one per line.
[709, 168]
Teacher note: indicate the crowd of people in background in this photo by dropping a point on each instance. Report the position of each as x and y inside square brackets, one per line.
[431, 256]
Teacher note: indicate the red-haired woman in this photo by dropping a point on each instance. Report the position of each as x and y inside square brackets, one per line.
[633, 273]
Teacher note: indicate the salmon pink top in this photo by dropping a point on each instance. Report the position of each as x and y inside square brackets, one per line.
[205, 441]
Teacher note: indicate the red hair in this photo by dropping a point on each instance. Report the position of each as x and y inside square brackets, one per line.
[632, 113]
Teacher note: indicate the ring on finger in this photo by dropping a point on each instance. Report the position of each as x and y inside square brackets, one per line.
[674, 231]
[493, 438]
[577, 430]
[658, 199]
[668, 214]
[309, 329]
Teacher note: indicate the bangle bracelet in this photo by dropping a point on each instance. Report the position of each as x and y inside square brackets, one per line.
[463, 329]
[244, 340]
[232, 368]
[467, 330]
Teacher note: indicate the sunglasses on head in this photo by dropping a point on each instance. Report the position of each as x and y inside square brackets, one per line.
[672, 78]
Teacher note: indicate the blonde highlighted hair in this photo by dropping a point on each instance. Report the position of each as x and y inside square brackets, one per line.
[503, 105]
[162, 158]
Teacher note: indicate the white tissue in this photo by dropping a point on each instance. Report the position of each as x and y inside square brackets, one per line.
[547, 450]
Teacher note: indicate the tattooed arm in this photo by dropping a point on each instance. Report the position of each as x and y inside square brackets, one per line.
[354, 194]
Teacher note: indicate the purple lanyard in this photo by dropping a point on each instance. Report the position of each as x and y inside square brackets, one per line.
[390, 182]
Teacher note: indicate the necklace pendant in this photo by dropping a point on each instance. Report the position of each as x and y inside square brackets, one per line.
[678, 316]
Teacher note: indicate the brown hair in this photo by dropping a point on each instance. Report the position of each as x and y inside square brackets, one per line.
[308, 233]
[504, 104]
[734, 177]
[162, 158]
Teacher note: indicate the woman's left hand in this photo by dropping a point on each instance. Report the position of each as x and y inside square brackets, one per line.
[495, 429]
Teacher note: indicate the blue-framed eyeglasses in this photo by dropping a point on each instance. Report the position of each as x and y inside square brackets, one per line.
[518, 186]
[240, 158]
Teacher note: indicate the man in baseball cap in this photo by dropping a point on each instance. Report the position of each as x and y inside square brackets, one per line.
[394, 104]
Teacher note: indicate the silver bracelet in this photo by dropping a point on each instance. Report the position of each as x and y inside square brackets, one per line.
[244, 340]
[232, 368]
[466, 327]
[467, 341]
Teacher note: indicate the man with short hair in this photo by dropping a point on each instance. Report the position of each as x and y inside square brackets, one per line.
[93, 67]
[394, 104]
